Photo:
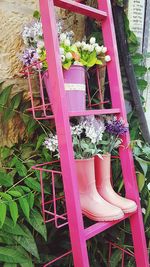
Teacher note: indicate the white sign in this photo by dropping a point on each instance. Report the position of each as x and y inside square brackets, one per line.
[136, 12]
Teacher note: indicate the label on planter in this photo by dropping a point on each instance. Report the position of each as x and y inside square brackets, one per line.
[74, 87]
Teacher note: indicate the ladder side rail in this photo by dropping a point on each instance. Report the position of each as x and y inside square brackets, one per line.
[56, 82]
[126, 156]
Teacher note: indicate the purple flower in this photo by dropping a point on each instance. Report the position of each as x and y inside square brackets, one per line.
[29, 57]
[116, 126]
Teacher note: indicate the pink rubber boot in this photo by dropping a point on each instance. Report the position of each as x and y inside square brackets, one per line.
[92, 204]
[104, 187]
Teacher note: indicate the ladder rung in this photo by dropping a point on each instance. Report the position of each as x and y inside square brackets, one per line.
[99, 227]
[81, 9]
[94, 112]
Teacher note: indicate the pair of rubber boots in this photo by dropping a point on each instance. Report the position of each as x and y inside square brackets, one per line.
[99, 201]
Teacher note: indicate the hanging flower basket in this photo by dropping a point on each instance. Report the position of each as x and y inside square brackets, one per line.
[75, 87]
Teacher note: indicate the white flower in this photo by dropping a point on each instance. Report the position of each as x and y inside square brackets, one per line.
[148, 186]
[63, 58]
[40, 44]
[92, 40]
[68, 55]
[38, 50]
[107, 58]
[83, 43]
[98, 50]
[67, 42]
[86, 47]
[78, 44]
[61, 50]
[51, 143]
[104, 49]
[143, 210]
[62, 37]
[91, 48]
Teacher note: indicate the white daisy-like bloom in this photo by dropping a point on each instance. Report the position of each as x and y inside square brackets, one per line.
[83, 43]
[98, 49]
[61, 50]
[77, 129]
[91, 48]
[92, 40]
[68, 55]
[67, 42]
[38, 50]
[148, 186]
[51, 143]
[62, 37]
[107, 58]
[78, 44]
[104, 49]
[40, 44]
[63, 58]
[85, 47]
[143, 210]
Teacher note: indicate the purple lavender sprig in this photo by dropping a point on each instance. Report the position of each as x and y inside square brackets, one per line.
[29, 56]
[116, 127]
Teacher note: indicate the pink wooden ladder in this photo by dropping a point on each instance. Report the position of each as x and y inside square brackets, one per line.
[78, 234]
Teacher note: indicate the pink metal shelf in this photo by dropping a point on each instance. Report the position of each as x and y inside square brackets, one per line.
[43, 110]
[95, 112]
[49, 207]
[81, 9]
[99, 227]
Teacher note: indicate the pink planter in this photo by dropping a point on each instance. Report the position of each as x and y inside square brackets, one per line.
[74, 81]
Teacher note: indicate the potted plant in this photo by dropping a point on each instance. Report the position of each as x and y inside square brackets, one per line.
[75, 57]
[85, 135]
[115, 128]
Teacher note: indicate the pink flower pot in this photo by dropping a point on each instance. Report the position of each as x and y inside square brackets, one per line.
[74, 81]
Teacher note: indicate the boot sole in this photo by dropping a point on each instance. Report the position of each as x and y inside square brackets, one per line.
[130, 210]
[102, 219]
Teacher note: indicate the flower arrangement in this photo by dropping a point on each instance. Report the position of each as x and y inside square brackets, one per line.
[115, 128]
[92, 136]
[82, 53]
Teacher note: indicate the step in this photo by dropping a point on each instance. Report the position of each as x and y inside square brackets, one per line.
[99, 227]
[81, 9]
[94, 112]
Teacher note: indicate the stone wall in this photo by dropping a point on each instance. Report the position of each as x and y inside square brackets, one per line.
[14, 14]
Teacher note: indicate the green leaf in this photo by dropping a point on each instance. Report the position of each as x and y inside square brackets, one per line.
[6, 179]
[140, 71]
[5, 95]
[5, 196]
[13, 211]
[36, 14]
[11, 255]
[3, 209]
[142, 84]
[10, 265]
[28, 242]
[21, 168]
[25, 188]
[14, 193]
[32, 126]
[8, 114]
[10, 228]
[140, 180]
[33, 184]
[115, 258]
[31, 200]
[36, 220]
[24, 206]
[15, 101]
[5, 152]
[143, 163]
[40, 140]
